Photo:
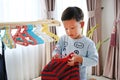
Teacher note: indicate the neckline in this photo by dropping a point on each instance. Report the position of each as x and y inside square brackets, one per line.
[78, 38]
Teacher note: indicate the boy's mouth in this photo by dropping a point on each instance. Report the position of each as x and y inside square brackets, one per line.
[71, 35]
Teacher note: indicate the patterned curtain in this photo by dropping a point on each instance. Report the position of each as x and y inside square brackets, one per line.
[112, 67]
[94, 10]
[50, 4]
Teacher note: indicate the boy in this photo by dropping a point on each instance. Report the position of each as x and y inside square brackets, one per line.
[84, 49]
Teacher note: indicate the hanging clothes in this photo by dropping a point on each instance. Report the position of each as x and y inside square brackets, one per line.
[3, 74]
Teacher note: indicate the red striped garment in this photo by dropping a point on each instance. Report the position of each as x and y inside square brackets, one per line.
[57, 69]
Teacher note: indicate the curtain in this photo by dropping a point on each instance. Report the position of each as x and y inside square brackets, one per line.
[50, 4]
[22, 10]
[23, 63]
[112, 67]
[94, 14]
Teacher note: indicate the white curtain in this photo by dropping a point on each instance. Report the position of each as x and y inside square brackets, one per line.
[24, 63]
[22, 10]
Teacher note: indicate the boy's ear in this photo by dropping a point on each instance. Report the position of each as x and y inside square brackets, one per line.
[82, 24]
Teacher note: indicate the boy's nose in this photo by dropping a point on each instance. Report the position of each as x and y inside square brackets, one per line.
[68, 32]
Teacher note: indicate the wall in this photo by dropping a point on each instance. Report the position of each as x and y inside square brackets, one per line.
[107, 24]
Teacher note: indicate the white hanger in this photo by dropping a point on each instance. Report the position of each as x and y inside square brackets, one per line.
[45, 37]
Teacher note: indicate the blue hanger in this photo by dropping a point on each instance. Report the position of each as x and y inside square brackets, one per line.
[37, 38]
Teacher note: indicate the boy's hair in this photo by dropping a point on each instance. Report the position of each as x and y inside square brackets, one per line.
[72, 13]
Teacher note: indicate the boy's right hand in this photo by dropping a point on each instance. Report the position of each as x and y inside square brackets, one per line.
[56, 56]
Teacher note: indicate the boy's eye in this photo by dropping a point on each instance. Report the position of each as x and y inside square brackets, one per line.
[66, 28]
[72, 28]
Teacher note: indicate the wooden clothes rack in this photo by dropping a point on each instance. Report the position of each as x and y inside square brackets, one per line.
[13, 24]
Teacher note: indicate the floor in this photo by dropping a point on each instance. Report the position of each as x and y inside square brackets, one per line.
[89, 78]
[98, 78]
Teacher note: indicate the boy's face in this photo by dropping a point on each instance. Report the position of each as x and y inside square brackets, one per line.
[72, 28]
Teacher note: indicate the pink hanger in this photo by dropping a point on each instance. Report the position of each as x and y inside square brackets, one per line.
[19, 38]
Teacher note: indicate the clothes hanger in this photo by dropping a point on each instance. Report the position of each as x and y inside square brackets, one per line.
[31, 33]
[45, 29]
[19, 38]
[27, 36]
[45, 37]
[7, 38]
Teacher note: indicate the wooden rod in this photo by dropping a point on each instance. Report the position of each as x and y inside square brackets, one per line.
[39, 22]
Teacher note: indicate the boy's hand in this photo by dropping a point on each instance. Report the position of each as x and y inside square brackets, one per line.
[56, 56]
[75, 58]
[71, 61]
